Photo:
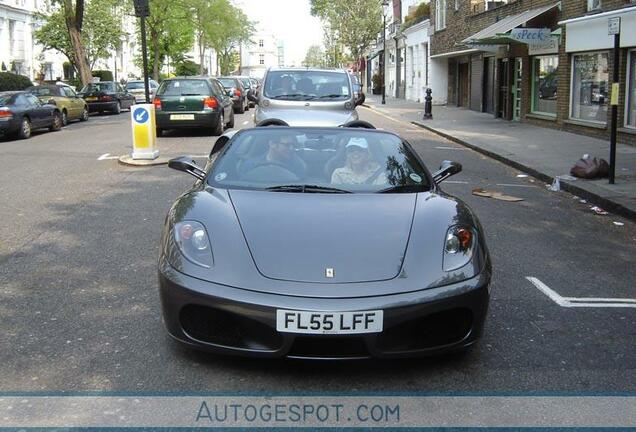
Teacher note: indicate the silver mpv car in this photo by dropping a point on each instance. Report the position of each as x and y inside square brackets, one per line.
[306, 97]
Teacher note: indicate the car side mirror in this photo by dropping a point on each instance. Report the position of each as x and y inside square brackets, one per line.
[186, 164]
[218, 145]
[252, 97]
[446, 169]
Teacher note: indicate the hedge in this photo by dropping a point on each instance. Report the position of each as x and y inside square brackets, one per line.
[11, 81]
[103, 75]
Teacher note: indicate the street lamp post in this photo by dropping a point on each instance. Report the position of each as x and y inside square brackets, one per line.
[385, 5]
[142, 10]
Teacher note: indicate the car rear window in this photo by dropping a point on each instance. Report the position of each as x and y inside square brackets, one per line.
[105, 87]
[183, 88]
[4, 99]
[307, 85]
[227, 82]
[134, 85]
[42, 91]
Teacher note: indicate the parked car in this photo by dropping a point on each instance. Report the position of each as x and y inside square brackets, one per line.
[107, 96]
[288, 93]
[64, 97]
[234, 87]
[193, 102]
[280, 249]
[21, 113]
[251, 87]
[137, 88]
[358, 92]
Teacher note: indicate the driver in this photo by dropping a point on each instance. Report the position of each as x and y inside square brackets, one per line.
[359, 167]
[281, 151]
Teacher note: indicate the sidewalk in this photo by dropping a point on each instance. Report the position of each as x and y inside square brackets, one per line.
[541, 152]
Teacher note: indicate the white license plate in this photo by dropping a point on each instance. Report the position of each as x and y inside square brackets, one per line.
[181, 116]
[91, 99]
[291, 321]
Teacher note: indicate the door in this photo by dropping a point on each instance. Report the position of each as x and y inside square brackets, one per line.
[516, 90]
[40, 116]
[504, 100]
[489, 85]
[75, 104]
[462, 93]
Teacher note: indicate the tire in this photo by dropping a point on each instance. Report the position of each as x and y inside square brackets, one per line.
[230, 124]
[240, 110]
[25, 129]
[57, 122]
[117, 108]
[159, 132]
[64, 117]
[218, 129]
[247, 105]
[85, 114]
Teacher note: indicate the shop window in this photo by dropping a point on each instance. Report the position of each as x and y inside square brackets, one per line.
[544, 84]
[440, 14]
[590, 74]
[593, 5]
[631, 92]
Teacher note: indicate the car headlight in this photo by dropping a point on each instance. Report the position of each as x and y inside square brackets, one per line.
[458, 247]
[193, 243]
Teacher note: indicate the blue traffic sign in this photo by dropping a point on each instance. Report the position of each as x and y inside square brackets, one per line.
[141, 115]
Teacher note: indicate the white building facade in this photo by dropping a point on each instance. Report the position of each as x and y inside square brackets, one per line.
[265, 51]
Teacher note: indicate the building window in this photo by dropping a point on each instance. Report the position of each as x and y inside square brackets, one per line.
[544, 84]
[631, 92]
[261, 59]
[261, 43]
[590, 74]
[593, 5]
[440, 14]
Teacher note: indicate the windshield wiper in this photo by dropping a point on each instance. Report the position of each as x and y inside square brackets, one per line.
[305, 188]
[293, 96]
[402, 189]
[332, 96]
[191, 94]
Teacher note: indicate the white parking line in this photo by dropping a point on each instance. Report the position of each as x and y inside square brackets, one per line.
[516, 185]
[455, 181]
[581, 302]
[451, 148]
[107, 156]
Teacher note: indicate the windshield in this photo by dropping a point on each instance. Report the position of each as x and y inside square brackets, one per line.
[307, 85]
[42, 91]
[183, 88]
[104, 87]
[135, 85]
[227, 82]
[246, 83]
[318, 160]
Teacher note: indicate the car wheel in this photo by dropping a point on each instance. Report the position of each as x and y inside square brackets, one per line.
[247, 105]
[117, 108]
[240, 110]
[218, 129]
[25, 129]
[58, 122]
[159, 132]
[64, 118]
[85, 114]
[230, 124]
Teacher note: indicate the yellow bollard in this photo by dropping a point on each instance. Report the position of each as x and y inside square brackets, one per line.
[143, 132]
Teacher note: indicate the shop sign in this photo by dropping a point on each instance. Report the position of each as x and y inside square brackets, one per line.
[539, 40]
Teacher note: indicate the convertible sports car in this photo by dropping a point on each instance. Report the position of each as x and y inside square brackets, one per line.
[324, 243]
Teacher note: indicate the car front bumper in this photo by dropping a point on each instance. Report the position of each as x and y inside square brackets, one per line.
[228, 320]
[201, 119]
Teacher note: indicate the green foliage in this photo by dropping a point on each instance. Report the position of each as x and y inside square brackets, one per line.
[11, 81]
[376, 79]
[232, 29]
[101, 30]
[314, 57]
[187, 68]
[103, 75]
[422, 12]
[354, 24]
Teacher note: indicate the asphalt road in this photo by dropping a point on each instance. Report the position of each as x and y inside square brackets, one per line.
[80, 310]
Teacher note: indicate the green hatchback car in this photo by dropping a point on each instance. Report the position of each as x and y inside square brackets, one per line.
[193, 103]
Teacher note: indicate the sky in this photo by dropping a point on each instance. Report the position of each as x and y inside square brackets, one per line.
[290, 21]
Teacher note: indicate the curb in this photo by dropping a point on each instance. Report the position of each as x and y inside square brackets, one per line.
[605, 203]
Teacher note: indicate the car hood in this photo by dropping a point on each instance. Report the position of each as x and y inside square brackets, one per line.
[307, 116]
[297, 237]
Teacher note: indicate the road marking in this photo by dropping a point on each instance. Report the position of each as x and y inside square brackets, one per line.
[516, 185]
[455, 181]
[589, 302]
[451, 148]
[198, 156]
[245, 122]
[375, 111]
[107, 156]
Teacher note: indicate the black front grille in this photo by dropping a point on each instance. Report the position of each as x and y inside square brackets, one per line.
[329, 347]
[219, 327]
[435, 330]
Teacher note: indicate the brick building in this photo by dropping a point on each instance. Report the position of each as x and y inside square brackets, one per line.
[539, 61]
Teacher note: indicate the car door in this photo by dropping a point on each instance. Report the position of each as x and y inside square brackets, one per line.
[225, 100]
[76, 104]
[36, 111]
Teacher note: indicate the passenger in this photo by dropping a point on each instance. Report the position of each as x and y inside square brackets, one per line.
[281, 151]
[359, 167]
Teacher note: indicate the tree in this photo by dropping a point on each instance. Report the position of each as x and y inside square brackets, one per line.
[315, 57]
[74, 18]
[100, 31]
[353, 23]
[234, 29]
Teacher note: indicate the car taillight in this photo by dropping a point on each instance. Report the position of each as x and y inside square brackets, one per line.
[6, 114]
[157, 103]
[106, 98]
[237, 92]
[210, 103]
